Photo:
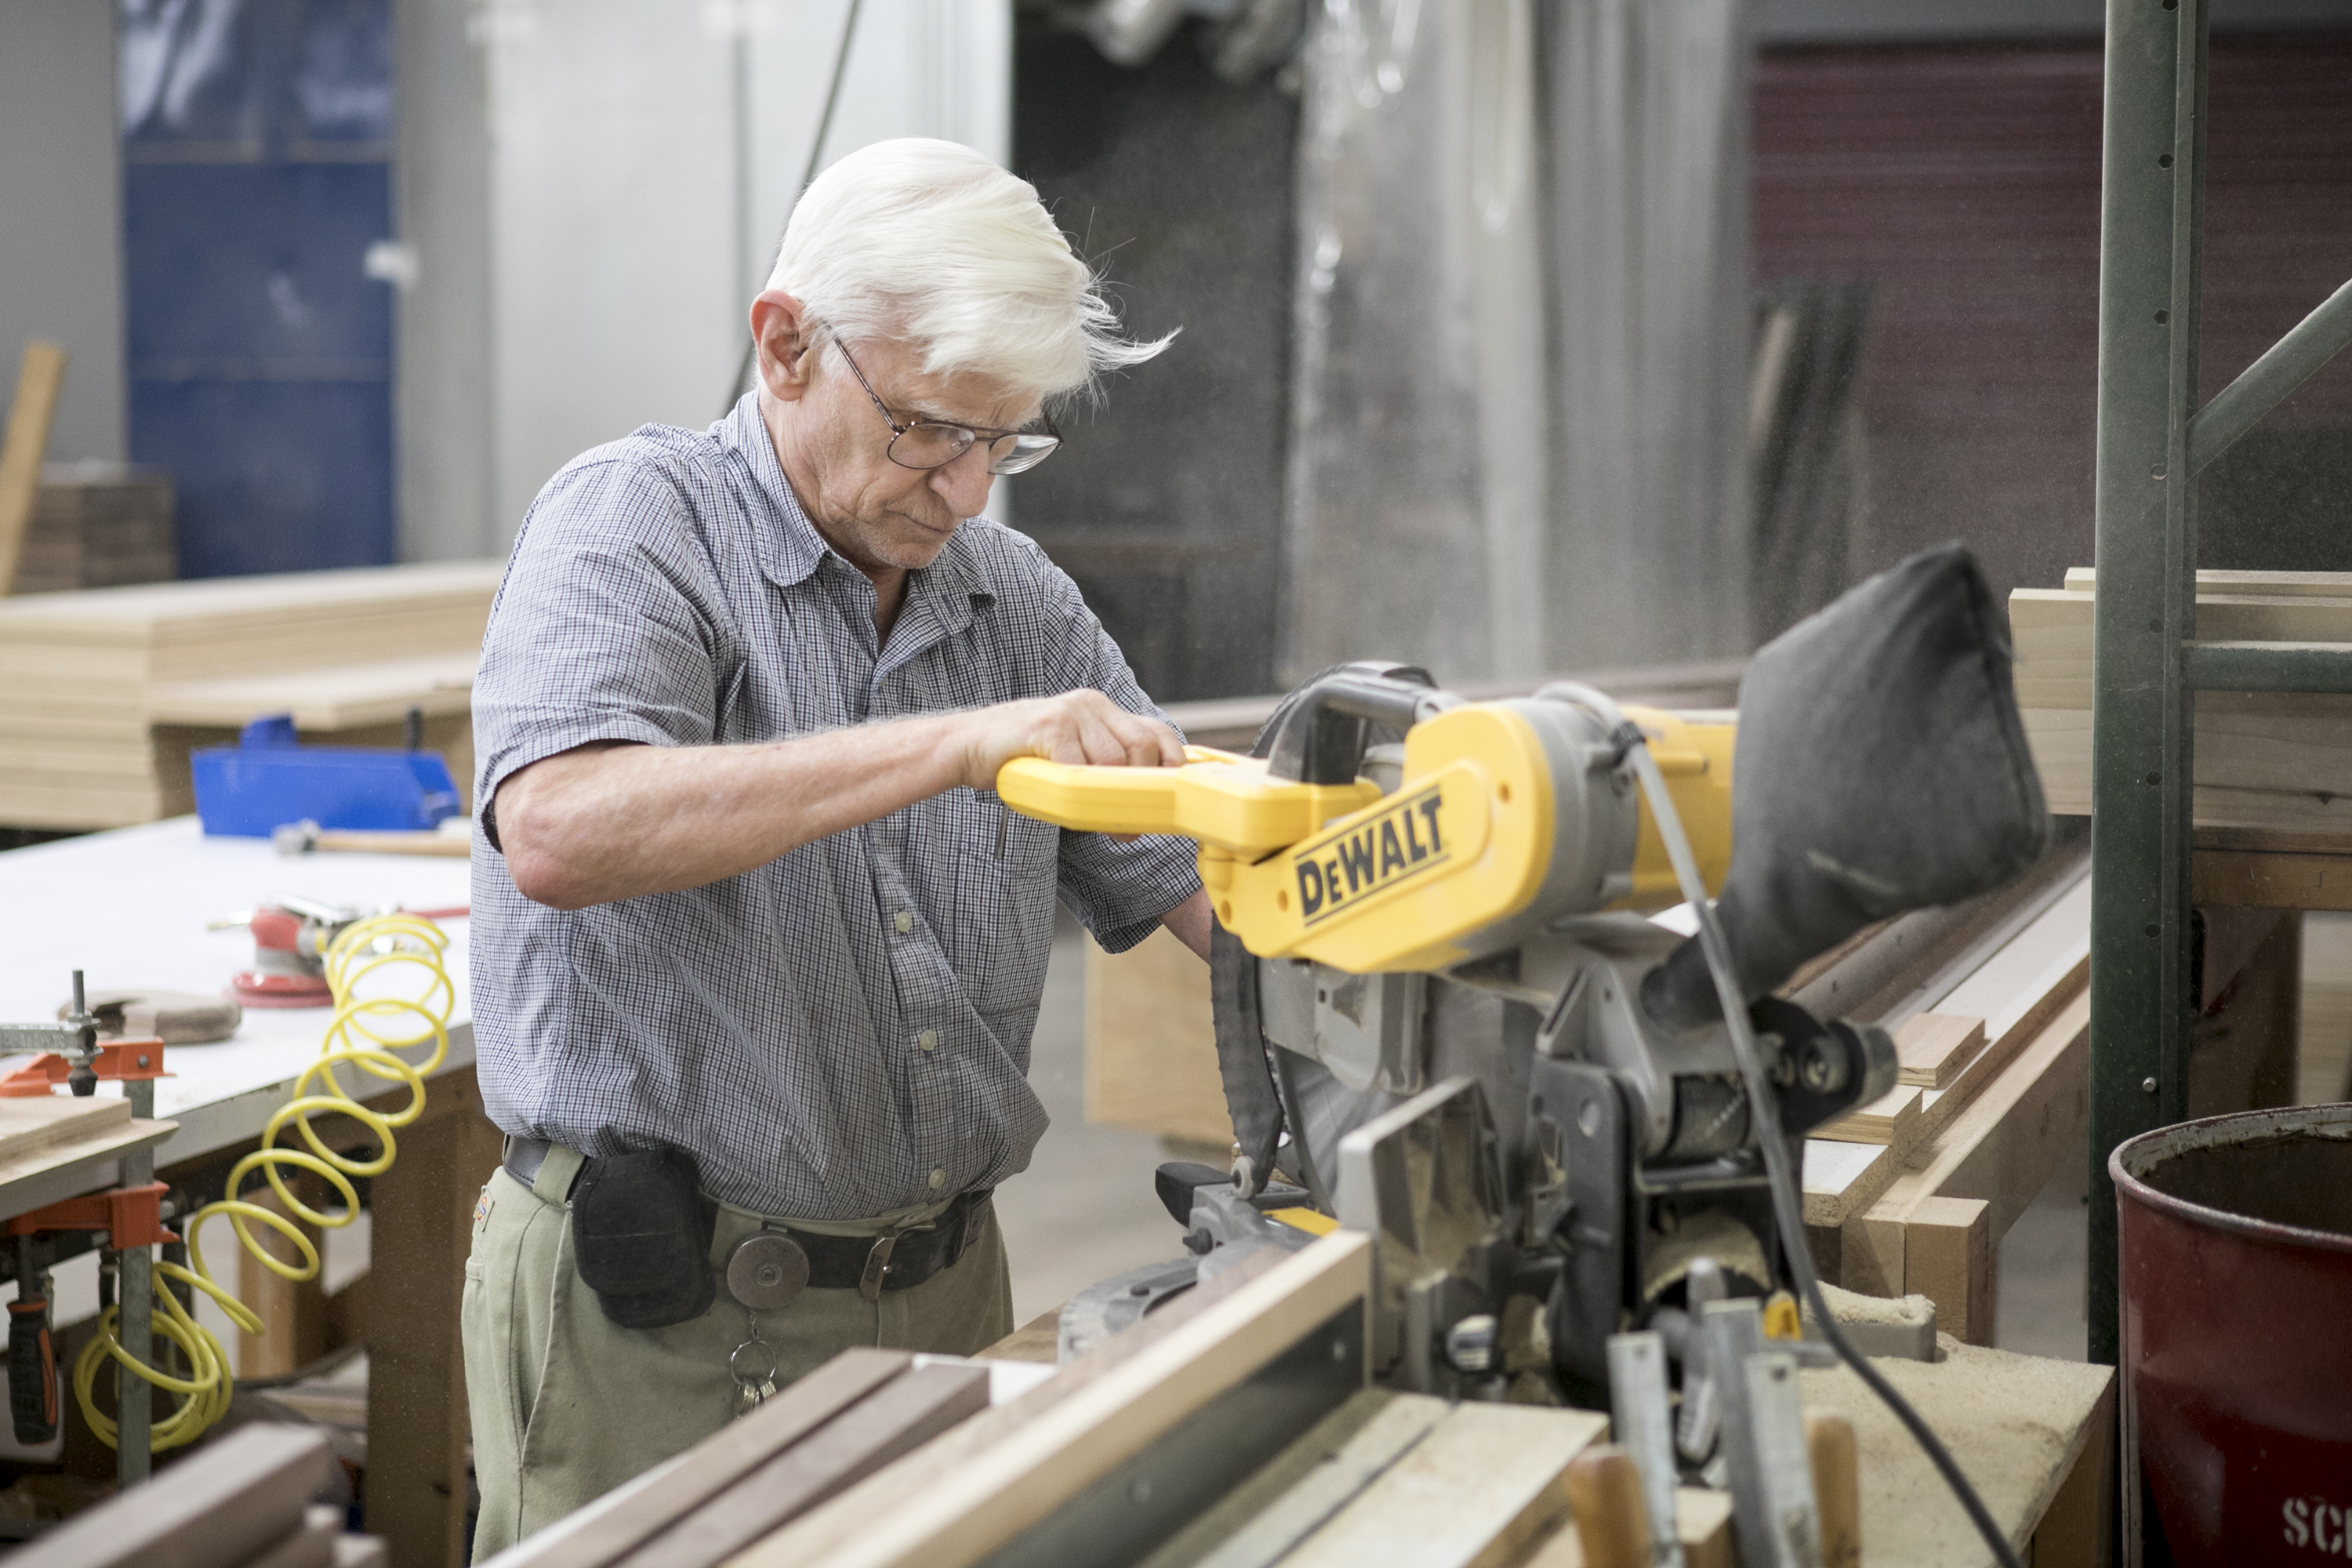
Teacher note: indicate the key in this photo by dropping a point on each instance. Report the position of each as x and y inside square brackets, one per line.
[752, 1365]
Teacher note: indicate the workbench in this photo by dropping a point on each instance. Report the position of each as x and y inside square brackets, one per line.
[130, 908]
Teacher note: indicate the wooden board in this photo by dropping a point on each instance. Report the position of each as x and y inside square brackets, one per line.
[828, 1527]
[219, 1508]
[2272, 758]
[1934, 1046]
[1702, 1524]
[894, 1419]
[2002, 1148]
[1004, 1472]
[342, 697]
[102, 691]
[1486, 1481]
[1151, 1043]
[1259, 1522]
[40, 374]
[1892, 1119]
[2016, 1423]
[1949, 1256]
[98, 525]
[619, 1522]
[36, 1123]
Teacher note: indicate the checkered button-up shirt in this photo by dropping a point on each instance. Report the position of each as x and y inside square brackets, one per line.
[845, 1031]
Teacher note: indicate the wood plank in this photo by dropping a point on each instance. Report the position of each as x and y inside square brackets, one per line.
[293, 1312]
[1003, 1472]
[339, 697]
[2233, 877]
[1892, 1119]
[1934, 1046]
[2001, 1149]
[2077, 1530]
[1485, 1482]
[622, 1520]
[422, 1231]
[1039, 1339]
[31, 1124]
[219, 1507]
[1151, 1043]
[1259, 1523]
[2275, 759]
[1841, 1180]
[2272, 584]
[894, 1419]
[2067, 978]
[40, 375]
[1949, 1257]
[2016, 1425]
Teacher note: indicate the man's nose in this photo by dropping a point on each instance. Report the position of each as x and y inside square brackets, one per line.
[963, 483]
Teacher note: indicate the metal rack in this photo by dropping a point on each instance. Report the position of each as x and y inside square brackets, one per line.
[2147, 662]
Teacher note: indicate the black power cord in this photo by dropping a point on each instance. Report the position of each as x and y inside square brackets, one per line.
[1628, 742]
[808, 174]
[1788, 1206]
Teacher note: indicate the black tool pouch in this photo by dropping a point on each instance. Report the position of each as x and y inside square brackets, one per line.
[641, 1237]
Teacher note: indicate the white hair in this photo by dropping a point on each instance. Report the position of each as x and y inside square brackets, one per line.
[929, 242]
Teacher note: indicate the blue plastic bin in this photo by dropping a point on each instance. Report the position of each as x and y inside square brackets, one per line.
[266, 781]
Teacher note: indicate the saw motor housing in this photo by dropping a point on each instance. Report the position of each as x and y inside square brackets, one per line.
[1438, 979]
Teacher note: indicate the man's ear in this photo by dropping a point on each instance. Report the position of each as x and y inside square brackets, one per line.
[781, 326]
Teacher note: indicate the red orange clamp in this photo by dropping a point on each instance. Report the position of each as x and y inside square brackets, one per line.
[122, 1060]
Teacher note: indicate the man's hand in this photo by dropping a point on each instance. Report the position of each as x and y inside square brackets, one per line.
[1078, 726]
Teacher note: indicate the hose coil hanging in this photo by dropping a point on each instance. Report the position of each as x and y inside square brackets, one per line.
[392, 993]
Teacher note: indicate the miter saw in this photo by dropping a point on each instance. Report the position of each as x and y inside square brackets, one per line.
[1443, 1019]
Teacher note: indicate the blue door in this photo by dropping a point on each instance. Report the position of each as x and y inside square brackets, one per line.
[256, 150]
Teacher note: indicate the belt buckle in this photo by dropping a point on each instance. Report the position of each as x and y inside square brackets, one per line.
[877, 1267]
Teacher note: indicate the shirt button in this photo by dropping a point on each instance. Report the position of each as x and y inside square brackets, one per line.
[938, 1180]
[928, 1039]
[905, 922]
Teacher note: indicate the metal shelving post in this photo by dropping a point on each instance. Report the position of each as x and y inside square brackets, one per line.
[2146, 662]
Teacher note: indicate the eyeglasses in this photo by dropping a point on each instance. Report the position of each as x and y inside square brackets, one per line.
[929, 444]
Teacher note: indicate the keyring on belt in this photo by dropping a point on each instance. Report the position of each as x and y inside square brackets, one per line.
[751, 1379]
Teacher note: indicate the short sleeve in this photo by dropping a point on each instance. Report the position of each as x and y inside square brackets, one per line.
[607, 627]
[1118, 891]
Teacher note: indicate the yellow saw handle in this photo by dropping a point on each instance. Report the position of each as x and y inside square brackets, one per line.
[1224, 801]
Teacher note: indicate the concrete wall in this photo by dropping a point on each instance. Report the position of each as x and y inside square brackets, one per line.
[594, 191]
[445, 437]
[61, 212]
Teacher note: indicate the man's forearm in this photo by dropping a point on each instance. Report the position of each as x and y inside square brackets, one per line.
[613, 820]
[1190, 920]
[621, 821]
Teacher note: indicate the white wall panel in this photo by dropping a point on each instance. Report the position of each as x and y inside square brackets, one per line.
[641, 157]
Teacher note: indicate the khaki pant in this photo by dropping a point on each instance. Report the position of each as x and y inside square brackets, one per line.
[568, 1404]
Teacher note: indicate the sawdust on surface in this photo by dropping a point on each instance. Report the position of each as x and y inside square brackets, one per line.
[1898, 1312]
[2013, 1422]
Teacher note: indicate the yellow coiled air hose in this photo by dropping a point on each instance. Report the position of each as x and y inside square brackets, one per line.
[386, 976]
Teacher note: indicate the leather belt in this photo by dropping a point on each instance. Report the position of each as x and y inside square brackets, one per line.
[894, 1261]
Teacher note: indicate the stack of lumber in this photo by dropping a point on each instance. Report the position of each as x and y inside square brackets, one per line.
[104, 691]
[97, 525]
[860, 1411]
[2281, 761]
[242, 1499]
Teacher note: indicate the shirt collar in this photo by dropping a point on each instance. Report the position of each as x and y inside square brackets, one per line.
[791, 548]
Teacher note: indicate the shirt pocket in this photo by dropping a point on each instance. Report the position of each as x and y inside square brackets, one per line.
[1004, 923]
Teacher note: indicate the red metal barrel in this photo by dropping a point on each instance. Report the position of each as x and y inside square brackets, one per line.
[2237, 1332]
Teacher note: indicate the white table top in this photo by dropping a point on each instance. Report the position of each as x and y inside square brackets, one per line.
[130, 907]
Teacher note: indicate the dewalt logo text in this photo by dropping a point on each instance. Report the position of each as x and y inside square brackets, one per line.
[1398, 843]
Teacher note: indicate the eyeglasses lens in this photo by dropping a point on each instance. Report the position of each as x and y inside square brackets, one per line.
[924, 445]
[1018, 454]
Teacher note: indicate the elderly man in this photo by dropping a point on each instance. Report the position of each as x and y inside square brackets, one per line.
[756, 951]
